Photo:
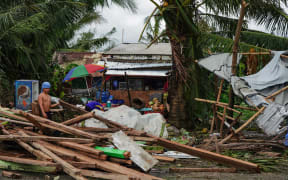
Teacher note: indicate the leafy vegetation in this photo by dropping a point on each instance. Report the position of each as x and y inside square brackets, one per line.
[184, 21]
[30, 32]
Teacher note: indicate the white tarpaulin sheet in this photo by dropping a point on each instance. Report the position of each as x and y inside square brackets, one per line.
[153, 124]
[254, 88]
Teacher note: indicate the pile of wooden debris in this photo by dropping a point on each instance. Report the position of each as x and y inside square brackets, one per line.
[83, 152]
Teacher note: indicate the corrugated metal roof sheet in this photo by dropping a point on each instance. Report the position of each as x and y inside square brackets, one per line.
[141, 49]
[121, 66]
[148, 73]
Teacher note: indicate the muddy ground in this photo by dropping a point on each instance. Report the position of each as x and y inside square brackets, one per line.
[162, 170]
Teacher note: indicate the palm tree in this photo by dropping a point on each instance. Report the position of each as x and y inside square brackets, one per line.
[154, 31]
[87, 42]
[30, 31]
[189, 43]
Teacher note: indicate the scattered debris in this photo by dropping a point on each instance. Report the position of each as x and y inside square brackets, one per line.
[73, 154]
[12, 175]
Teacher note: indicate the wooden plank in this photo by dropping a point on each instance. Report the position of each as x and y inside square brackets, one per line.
[243, 126]
[120, 161]
[78, 119]
[81, 147]
[27, 167]
[103, 175]
[16, 122]
[70, 106]
[222, 122]
[164, 158]
[12, 175]
[29, 161]
[36, 123]
[61, 127]
[103, 165]
[96, 153]
[98, 130]
[27, 147]
[189, 170]
[139, 138]
[46, 138]
[13, 116]
[67, 168]
[208, 155]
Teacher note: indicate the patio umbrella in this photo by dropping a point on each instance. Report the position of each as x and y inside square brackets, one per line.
[83, 71]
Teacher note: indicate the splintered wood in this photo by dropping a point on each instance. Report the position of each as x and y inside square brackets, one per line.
[73, 150]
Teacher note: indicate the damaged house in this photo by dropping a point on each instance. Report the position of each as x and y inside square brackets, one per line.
[142, 70]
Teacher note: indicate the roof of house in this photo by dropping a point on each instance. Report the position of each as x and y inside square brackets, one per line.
[81, 57]
[129, 66]
[141, 49]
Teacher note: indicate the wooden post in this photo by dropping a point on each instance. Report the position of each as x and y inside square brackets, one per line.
[235, 51]
[222, 122]
[128, 89]
[243, 126]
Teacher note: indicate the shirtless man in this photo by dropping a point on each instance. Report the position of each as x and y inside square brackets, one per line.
[44, 101]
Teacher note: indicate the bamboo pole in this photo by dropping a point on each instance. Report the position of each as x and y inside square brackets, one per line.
[277, 93]
[225, 104]
[243, 126]
[214, 108]
[235, 51]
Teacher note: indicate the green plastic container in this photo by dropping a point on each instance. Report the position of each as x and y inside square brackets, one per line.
[112, 152]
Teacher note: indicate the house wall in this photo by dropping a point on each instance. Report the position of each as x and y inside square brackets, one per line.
[143, 95]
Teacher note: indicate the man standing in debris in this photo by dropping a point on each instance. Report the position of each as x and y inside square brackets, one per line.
[45, 101]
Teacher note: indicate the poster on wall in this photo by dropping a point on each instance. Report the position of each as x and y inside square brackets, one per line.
[26, 91]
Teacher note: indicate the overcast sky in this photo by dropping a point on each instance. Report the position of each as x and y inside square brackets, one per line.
[124, 20]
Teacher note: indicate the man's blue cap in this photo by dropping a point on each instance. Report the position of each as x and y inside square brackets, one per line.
[45, 85]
